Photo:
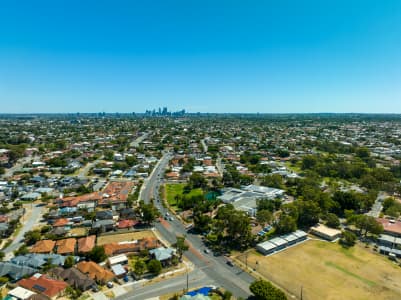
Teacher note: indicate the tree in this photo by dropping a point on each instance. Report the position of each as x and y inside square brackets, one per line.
[73, 293]
[149, 212]
[264, 290]
[367, 224]
[69, 262]
[21, 250]
[196, 180]
[264, 217]
[286, 224]
[332, 221]
[97, 254]
[154, 266]
[139, 267]
[275, 181]
[227, 295]
[31, 237]
[309, 162]
[348, 239]
[181, 246]
[308, 213]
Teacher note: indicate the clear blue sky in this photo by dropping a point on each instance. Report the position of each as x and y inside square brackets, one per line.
[207, 56]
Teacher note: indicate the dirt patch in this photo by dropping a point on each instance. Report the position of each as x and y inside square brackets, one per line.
[123, 237]
[78, 232]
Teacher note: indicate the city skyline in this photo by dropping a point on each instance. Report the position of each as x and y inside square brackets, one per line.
[267, 57]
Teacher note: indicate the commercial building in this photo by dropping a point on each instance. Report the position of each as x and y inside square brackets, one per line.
[245, 199]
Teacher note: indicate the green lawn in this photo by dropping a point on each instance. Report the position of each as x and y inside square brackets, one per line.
[177, 189]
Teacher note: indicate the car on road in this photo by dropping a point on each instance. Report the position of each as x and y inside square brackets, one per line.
[207, 251]
[171, 219]
[230, 263]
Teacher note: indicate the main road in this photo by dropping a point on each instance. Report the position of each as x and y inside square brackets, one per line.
[215, 268]
[175, 284]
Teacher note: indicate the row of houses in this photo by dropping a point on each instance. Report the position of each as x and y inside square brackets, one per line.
[69, 246]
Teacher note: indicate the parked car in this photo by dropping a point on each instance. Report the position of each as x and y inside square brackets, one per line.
[109, 284]
[230, 263]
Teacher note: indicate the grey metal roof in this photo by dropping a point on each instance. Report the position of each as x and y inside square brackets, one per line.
[15, 271]
[162, 253]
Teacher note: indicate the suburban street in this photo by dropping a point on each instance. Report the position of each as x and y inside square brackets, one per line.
[378, 205]
[139, 140]
[32, 216]
[215, 267]
[17, 166]
[83, 173]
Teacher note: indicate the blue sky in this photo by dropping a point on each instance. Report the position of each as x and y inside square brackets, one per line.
[207, 56]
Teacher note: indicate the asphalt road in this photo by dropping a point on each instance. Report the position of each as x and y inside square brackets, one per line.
[17, 166]
[216, 268]
[196, 279]
[34, 217]
[139, 140]
[378, 205]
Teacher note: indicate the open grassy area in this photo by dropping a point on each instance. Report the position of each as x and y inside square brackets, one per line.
[175, 189]
[121, 237]
[327, 271]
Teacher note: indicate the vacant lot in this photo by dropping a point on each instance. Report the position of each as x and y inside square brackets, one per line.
[327, 271]
[172, 190]
[78, 231]
[122, 237]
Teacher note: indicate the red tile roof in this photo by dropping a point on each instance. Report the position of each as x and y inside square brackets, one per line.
[66, 246]
[117, 191]
[41, 284]
[393, 227]
[60, 222]
[94, 271]
[86, 244]
[73, 201]
[126, 223]
[43, 246]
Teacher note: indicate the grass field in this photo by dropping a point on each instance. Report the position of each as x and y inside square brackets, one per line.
[175, 189]
[327, 271]
[122, 237]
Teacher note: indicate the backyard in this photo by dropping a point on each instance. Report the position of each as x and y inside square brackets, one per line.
[327, 271]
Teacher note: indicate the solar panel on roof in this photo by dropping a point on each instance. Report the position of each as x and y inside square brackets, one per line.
[39, 288]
